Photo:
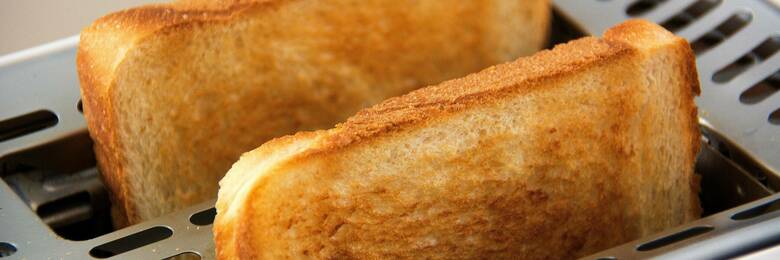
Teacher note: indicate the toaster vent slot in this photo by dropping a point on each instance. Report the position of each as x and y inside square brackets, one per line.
[7, 249]
[26, 124]
[185, 255]
[690, 14]
[768, 48]
[774, 118]
[735, 68]
[674, 238]
[722, 32]
[763, 51]
[759, 210]
[131, 242]
[60, 212]
[761, 90]
[642, 6]
[204, 218]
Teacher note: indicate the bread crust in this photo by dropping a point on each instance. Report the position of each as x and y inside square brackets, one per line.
[239, 220]
[474, 90]
[96, 70]
[104, 49]
[434, 102]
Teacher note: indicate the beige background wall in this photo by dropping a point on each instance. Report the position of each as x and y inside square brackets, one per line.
[28, 23]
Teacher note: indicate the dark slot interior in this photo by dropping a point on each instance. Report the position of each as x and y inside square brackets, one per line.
[562, 30]
[768, 47]
[707, 41]
[735, 163]
[73, 201]
[678, 22]
[80, 107]
[131, 242]
[757, 55]
[724, 185]
[99, 224]
[59, 182]
[757, 210]
[74, 205]
[7, 249]
[642, 6]
[735, 22]
[50, 208]
[722, 32]
[690, 14]
[185, 255]
[676, 237]
[774, 118]
[204, 218]
[27, 123]
[735, 68]
[65, 155]
[761, 90]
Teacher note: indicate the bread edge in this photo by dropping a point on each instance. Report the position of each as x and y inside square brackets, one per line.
[113, 36]
[628, 30]
[232, 235]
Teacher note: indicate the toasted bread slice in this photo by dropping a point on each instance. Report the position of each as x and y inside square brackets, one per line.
[554, 156]
[173, 94]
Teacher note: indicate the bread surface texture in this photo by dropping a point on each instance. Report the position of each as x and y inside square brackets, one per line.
[173, 94]
[554, 156]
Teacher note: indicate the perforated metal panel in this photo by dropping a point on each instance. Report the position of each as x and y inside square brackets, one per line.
[739, 161]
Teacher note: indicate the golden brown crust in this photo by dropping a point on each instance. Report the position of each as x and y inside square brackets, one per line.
[234, 235]
[106, 45]
[134, 24]
[433, 101]
[147, 19]
[473, 90]
[228, 236]
[636, 30]
[95, 69]
[95, 73]
[100, 118]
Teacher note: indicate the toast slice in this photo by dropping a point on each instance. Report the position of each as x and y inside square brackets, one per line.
[173, 94]
[553, 156]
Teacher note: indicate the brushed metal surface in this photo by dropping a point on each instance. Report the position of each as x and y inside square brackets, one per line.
[45, 78]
